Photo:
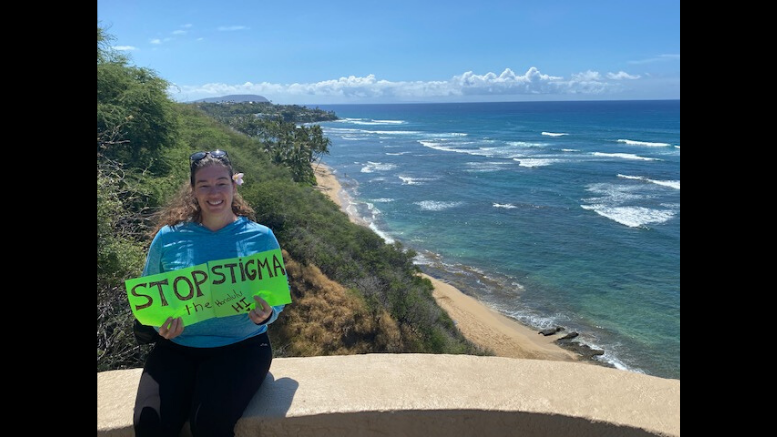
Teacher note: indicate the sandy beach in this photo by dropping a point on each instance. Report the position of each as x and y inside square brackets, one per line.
[481, 324]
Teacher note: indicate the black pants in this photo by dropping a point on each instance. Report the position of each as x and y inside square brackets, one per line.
[209, 387]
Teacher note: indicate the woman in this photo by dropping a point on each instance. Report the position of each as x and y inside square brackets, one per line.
[208, 372]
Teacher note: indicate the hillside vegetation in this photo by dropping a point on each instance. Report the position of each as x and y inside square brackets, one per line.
[352, 293]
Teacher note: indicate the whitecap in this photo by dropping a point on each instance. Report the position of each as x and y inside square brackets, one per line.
[631, 216]
[643, 143]
[624, 156]
[670, 183]
[533, 162]
[371, 167]
[504, 205]
[434, 205]
[407, 180]
[525, 144]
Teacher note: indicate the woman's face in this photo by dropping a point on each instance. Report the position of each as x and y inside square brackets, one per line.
[214, 190]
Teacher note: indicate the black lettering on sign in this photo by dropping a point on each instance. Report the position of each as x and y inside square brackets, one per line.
[241, 306]
[149, 299]
[249, 271]
[216, 270]
[278, 265]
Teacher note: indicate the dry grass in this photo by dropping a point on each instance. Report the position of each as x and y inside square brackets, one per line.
[325, 318]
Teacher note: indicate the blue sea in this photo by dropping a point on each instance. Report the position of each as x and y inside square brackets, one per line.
[552, 213]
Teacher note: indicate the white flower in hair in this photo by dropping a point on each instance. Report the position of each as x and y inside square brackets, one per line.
[238, 178]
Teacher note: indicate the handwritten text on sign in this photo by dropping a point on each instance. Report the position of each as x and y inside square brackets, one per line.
[215, 289]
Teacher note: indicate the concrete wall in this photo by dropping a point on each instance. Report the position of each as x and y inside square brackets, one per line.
[429, 395]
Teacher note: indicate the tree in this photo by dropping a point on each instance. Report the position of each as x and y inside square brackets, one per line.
[135, 117]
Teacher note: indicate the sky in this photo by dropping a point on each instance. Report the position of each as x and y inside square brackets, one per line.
[397, 51]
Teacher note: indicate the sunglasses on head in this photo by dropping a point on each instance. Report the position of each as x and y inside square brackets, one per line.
[218, 154]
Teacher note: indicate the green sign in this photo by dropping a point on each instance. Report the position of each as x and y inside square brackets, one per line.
[215, 289]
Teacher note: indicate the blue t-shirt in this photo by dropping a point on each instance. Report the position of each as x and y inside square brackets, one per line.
[189, 244]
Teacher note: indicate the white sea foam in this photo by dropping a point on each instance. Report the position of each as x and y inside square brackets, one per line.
[525, 144]
[534, 162]
[614, 194]
[445, 134]
[397, 154]
[342, 130]
[517, 286]
[670, 184]
[496, 152]
[489, 152]
[347, 120]
[631, 216]
[407, 180]
[421, 260]
[371, 167]
[504, 205]
[487, 166]
[434, 205]
[372, 122]
[393, 132]
[643, 143]
[453, 147]
[611, 200]
[553, 134]
[624, 156]
[337, 130]
[369, 121]
[439, 146]
[530, 319]
[609, 357]
[382, 234]
[364, 212]
[371, 208]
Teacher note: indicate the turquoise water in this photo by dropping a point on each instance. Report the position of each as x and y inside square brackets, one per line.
[553, 213]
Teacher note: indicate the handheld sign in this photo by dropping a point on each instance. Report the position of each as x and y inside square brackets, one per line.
[214, 289]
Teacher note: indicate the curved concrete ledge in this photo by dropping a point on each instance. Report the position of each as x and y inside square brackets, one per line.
[430, 395]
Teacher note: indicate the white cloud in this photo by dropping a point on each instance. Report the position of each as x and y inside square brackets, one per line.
[586, 76]
[468, 86]
[125, 48]
[622, 75]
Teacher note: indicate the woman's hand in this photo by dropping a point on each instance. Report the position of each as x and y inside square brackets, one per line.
[261, 312]
[171, 328]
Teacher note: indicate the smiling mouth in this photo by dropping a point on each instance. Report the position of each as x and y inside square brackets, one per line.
[215, 203]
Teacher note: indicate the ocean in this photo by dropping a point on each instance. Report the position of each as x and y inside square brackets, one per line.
[552, 213]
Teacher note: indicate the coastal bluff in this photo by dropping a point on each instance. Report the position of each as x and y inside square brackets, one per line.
[430, 395]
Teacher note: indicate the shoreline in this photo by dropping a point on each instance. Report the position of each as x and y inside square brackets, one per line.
[479, 323]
